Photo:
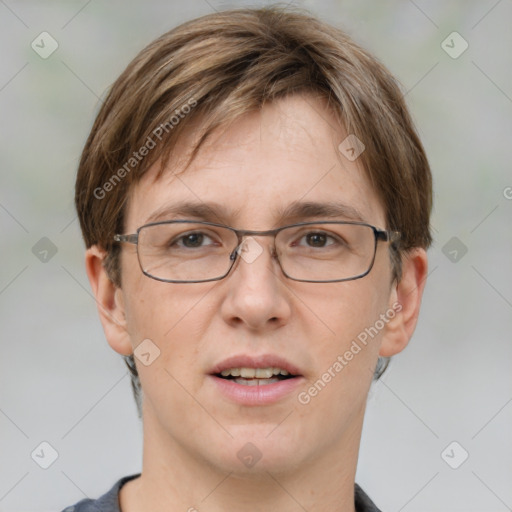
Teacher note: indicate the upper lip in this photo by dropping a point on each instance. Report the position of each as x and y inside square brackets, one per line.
[256, 361]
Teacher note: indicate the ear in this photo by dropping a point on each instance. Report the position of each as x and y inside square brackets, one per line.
[109, 300]
[405, 300]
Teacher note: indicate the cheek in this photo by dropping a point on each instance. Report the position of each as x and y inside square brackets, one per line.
[155, 309]
[334, 397]
[343, 310]
[348, 316]
[174, 318]
[345, 357]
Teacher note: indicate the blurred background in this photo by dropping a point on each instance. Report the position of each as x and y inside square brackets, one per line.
[437, 433]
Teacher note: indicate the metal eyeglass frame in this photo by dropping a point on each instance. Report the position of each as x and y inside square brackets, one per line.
[380, 235]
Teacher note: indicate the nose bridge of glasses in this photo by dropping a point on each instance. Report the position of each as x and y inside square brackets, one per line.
[249, 248]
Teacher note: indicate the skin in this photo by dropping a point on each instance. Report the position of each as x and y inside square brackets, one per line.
[262, 162]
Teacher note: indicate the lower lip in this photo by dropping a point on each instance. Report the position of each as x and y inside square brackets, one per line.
[256, 395]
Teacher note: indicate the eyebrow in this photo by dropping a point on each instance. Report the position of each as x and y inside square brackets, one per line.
[302, 210]
[296, 211]
[209, 211]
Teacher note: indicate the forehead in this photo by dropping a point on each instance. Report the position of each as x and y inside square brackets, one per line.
[268, 167]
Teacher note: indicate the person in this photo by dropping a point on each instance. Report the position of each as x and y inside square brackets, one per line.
[255, 205]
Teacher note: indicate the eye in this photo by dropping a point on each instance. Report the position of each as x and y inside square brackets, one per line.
[316, 239]
[193, 240]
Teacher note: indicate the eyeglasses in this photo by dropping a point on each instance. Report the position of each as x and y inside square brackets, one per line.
[187, 251]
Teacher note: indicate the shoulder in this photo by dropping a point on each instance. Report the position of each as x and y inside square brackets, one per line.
[109, 502]
[363, 502]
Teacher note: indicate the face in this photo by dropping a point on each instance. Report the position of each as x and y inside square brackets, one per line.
[250, 173]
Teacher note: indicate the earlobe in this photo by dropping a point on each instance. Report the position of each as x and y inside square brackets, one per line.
[406, 301]
[109, 301]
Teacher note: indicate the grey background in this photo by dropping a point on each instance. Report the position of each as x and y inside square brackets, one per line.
[61, 383]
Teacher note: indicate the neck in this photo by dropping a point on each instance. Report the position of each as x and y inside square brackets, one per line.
[175, 480]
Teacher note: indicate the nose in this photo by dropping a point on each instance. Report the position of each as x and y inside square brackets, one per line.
[256, 295]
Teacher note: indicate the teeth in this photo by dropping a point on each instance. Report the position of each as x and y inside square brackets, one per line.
[247, 373]
[235, 372]
[264, 373]
[254, 373]
[256, 382]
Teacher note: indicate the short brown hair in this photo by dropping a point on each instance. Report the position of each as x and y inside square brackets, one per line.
[219, 67]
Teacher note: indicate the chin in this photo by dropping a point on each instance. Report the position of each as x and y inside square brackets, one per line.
[261, 449]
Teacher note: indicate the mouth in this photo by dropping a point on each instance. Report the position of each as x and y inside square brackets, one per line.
[255, 376]
[256, 380]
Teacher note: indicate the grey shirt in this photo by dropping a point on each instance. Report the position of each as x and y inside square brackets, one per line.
[109, 502]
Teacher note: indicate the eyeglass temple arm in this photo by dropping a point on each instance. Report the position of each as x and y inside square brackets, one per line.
[130, 239]
[389, 236]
